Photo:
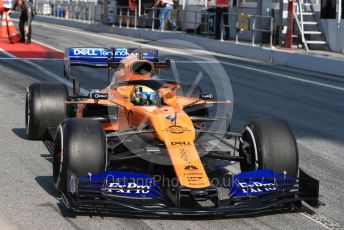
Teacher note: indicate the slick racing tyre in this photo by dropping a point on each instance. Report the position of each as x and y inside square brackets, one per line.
[45, 108]
[79, 148]
[269, 144]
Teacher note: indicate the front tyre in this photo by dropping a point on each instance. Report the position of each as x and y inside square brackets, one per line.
[79, 148]
[269, 144]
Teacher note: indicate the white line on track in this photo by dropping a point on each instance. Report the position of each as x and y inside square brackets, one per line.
[321, 220]
[170, 50]
[46, 45]
[273, 74]
[44, 70]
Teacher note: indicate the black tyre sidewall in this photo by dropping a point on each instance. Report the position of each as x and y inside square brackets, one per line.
[46, 103]
[276, 146]
[85, 146]
[84, 150]
[34, 128]
[60, 170]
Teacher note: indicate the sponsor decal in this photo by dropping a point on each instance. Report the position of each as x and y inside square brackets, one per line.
[196, 184]
[207, 96]
[148, 55]
[185, 155]
[194, 179]
[128, 188]
[256, 187]
[121, 53]
[90, 52]
[193, 173]
[176, 129]
[190, 168]
[259, 182]
[171, 118]
[102, 96]
[180, 143]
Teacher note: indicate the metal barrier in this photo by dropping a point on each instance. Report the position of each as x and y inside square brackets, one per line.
[75, 12]
[155, 16]
[125, 14]
[208, 22]
[252, 26]
[197, 20]
[202, 22]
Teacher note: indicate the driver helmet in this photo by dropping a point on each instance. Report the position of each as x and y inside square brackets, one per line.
[144, 95]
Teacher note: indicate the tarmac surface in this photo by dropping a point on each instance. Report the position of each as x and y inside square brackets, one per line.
[311, 103]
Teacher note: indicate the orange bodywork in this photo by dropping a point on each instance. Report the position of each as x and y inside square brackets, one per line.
[171, 124]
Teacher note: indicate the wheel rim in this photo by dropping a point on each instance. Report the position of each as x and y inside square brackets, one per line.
[249, 130]
[58, 156]
[248, 148]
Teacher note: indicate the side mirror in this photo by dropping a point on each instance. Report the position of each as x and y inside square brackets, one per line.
[206, 96]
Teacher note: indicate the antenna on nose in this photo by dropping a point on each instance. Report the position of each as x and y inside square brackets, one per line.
[140, 53]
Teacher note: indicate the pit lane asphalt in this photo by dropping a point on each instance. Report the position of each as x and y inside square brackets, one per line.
[28, 199]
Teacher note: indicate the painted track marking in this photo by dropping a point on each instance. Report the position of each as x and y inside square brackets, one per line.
[170, 50]
[33, 50]
[45, 71]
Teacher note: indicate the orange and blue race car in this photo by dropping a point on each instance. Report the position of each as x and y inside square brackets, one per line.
[138, 144]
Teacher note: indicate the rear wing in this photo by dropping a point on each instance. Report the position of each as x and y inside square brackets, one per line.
[109, 58]
[90, 57]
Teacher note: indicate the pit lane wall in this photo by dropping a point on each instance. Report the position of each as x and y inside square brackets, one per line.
[297, 59]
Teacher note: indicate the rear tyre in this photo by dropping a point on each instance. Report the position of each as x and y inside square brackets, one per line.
[45, 108]
[79, 148]
[269, 144]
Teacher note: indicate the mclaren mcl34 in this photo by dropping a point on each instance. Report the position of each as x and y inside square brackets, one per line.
[136, 145]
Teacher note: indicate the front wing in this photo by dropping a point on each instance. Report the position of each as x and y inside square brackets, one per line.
[95, 195]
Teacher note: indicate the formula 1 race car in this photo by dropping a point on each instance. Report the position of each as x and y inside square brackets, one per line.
[135, 146]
